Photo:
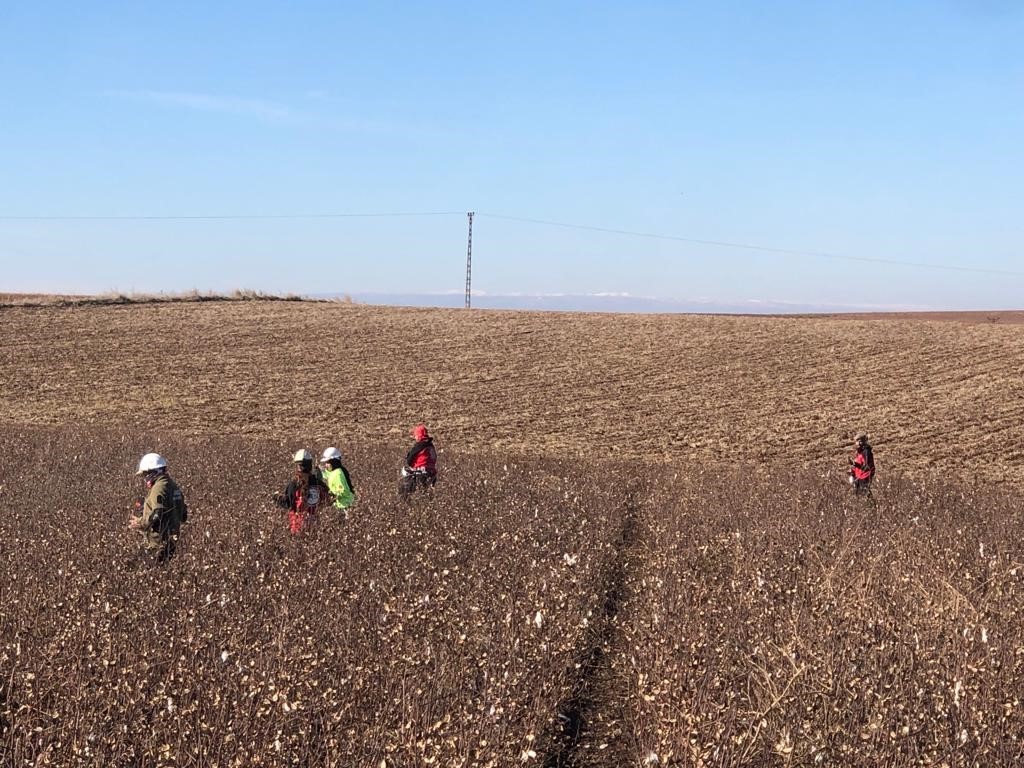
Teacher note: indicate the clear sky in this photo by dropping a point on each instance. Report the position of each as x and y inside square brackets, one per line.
[883, 130]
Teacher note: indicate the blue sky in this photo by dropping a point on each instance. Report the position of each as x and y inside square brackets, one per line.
[879, 130]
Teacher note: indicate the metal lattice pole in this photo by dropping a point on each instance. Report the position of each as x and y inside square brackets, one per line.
[469, 261]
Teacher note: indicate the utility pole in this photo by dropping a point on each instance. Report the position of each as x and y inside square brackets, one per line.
[469, 260]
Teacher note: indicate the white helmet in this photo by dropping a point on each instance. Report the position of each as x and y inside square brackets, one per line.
[330, 453]
[150, 462]
[302, 455]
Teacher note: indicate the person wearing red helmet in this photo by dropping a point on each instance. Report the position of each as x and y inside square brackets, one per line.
[420, 468]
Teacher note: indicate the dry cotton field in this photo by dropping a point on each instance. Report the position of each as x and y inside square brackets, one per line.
[435, 633]
[533, 612]
[640, 552]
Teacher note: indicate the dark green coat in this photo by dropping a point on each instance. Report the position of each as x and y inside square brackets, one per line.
[162, 513]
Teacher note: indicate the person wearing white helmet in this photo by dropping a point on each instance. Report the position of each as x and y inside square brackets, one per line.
[163, 511]
[337, 478]
[304, 494]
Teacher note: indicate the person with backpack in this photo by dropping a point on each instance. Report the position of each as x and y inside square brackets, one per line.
[163, 510]
[420, 468]
[304, 494]
[337, 479]
[862, 465]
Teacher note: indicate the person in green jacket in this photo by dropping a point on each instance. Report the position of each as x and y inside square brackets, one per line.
[163, 510]
[337, 478]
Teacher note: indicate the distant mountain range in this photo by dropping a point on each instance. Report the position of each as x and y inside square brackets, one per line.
[609, 302]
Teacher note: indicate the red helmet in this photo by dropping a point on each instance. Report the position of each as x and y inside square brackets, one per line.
[419, 432]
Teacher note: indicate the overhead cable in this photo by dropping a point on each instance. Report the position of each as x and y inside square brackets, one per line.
[749, 247]
[240, 216]
[544, 222]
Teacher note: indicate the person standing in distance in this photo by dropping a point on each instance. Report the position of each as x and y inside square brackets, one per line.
[163, 511]
[862, 466]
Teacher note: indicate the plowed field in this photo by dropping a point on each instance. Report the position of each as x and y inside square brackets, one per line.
[936, 396]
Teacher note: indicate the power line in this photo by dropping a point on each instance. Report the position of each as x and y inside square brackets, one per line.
[749, 247]
[237, 217]
[528, 220]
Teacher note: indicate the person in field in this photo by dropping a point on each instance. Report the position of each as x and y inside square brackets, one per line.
[162, 511]
[337, 479]
[304, 494]
[862, 465]
[420, 469]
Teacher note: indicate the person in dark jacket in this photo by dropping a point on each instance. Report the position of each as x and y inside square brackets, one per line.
[163, 510]
[862, 465]
[304, 494]
[420, 468]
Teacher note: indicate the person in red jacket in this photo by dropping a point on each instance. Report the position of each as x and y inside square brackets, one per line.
[304, 494]
[420, 468]
[862, 465]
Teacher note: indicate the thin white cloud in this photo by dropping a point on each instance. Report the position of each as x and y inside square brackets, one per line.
[264, 109]
[205, 102]
[260, 109]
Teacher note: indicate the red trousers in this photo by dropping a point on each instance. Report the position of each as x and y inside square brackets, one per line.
[300, 521]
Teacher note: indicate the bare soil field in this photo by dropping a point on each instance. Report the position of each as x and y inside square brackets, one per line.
[935, 396]
[1001, 316]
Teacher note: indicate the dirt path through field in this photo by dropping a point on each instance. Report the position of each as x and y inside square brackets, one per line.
[587, 719]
